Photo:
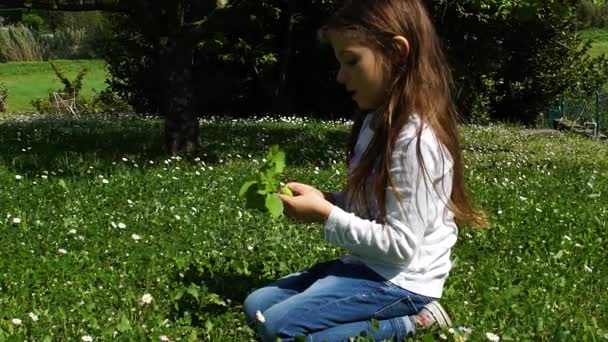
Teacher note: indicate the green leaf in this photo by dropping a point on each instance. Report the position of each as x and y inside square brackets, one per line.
[215, 299]
[245, 187]
[274, 205]
[208, 326]
[375, 324]
[123, 323]
[63, 185]
[179, 294]
[277, 157]
[193, 290]
[260, 191]
[286, 191]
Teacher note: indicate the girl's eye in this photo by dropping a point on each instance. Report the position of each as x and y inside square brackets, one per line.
[352, 62]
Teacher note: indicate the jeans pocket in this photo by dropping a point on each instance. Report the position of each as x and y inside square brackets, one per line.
[402, 307]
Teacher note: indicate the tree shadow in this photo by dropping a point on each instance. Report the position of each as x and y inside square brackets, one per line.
[32, 146]
[230, 288]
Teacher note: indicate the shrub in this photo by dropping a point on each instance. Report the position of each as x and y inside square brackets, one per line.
[19, 43]
[66, 101]
[3, 97]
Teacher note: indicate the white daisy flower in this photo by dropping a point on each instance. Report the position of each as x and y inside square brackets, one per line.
[16, 220]
[260, 317]
[465, 330]
[86, 338]
[164, 338]
[492, 337]
[18, 177]
[62, 251]
[122, 225]
[16, 321]
[33, 316]
[146, 298]
[135, 237]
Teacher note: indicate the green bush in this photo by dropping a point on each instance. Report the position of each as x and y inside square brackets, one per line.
[66, 101]
[591, 14]
[3, 97]
[69, 101]
[108, 102]
[34, 21]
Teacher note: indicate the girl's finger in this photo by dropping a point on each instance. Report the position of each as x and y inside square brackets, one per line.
[296, 188]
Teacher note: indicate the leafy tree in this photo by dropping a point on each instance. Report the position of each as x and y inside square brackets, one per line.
[513, 61]
[172, 28]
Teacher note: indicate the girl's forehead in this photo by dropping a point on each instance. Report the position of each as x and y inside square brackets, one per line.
[345, 38]
[346, 42]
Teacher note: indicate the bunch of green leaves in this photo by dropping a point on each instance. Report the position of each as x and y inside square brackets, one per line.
[260, 190]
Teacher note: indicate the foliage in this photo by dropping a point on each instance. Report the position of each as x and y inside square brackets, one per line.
[19, 43]
[31, 80]
[599, 41]
[236, 61]
[259, 191]
[67, 100]
[590, 13]
[511, 60]
[3, 98]
[33, 21]
[108, 102]
[132, 221]
[514, 65]
[54, 35]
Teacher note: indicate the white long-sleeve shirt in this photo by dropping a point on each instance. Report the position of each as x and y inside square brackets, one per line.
[412, 249]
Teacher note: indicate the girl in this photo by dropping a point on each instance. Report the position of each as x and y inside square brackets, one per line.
[405, 194]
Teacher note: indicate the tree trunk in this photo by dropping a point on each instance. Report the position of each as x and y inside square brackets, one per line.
[282, 98]
[182, 133]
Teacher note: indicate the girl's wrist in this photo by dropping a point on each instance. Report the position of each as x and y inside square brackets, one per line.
[329, 197]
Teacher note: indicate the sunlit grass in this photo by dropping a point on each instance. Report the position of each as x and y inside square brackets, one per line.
[94, 217]
[27, 81]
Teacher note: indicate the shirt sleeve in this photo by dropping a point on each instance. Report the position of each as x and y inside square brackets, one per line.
[399, 239]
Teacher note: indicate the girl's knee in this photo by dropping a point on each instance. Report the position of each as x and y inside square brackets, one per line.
[251, 305]
[258, 300]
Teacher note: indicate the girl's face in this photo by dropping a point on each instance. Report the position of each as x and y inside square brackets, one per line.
[360, 71]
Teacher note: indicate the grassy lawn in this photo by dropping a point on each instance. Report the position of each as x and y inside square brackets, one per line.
[599, 38]
[29, 80]
[94, 216]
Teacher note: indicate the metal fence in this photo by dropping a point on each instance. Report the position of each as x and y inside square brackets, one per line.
[588, 113]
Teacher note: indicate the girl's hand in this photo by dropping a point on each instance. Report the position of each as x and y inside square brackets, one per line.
[307, 205]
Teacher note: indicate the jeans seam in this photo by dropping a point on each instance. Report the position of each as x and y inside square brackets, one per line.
[408, 298]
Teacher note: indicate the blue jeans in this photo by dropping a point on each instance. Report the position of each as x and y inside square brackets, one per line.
[332, 301]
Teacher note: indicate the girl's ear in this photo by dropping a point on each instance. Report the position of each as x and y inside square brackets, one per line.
[403, 44]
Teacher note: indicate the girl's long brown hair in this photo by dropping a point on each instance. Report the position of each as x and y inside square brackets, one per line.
[420, 82]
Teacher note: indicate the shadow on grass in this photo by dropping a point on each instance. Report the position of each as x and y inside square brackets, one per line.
[30, 147]
[230, 288]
